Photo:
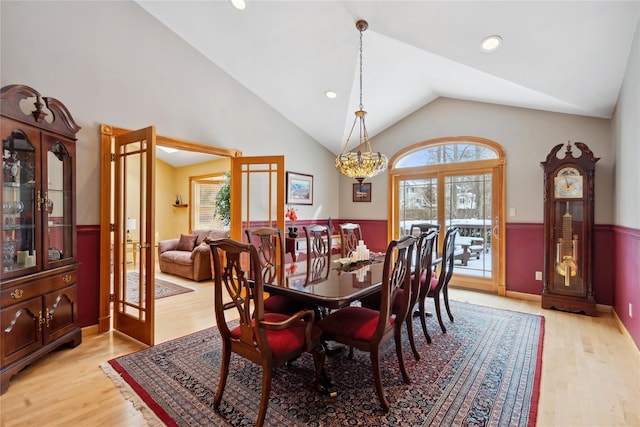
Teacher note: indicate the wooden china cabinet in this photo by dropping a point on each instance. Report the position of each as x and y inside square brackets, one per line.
[569, 229]
[38, 297]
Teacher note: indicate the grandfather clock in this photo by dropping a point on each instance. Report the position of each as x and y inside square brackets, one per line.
[568, 229]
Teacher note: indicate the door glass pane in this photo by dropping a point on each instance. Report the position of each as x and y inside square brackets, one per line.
[19, 208]
[59, 204]
[468, 207]
[132, 289]
[418, 202]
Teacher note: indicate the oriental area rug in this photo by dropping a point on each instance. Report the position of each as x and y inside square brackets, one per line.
[485, 371]
[163, 288]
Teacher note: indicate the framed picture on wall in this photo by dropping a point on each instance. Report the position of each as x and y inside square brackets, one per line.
[362, 192]
[299, 189]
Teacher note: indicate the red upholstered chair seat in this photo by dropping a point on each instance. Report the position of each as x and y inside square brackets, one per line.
[286, 340]
[434, 280]
[356, 323]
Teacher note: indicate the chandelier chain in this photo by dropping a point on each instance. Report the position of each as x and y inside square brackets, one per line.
[361, 107]
[363, 163]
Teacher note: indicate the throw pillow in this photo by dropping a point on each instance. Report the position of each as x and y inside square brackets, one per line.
[187, 242]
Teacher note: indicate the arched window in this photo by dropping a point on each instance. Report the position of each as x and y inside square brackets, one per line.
[438, 154]
[454, 181]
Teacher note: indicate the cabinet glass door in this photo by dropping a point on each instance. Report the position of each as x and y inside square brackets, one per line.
[58, 204]
[19, 209]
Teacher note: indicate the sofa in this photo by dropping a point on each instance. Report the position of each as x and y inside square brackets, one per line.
[189, 256]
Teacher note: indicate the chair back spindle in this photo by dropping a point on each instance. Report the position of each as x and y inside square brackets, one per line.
[318, 240]
[350, 235]
[271, 252]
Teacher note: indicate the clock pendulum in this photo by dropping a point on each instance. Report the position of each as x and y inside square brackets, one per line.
[567, 250]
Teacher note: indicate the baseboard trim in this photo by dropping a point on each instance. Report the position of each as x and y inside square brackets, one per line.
[623, 330]
[90, 330]
[602, 308]
[523, 295]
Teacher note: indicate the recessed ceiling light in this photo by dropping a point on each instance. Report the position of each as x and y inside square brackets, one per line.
[491, 43]
[239, 4]
[331, 94]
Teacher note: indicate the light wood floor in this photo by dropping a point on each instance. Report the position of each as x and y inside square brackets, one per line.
[590, 369]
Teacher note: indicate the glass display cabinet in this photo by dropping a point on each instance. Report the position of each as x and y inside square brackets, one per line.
[568, 230]
[38, 297]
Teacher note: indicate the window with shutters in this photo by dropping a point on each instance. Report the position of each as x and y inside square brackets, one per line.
[204, 192]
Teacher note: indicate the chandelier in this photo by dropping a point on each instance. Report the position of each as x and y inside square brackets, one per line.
[361, 164]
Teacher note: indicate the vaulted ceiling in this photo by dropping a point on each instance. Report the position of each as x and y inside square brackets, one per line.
[567, 57]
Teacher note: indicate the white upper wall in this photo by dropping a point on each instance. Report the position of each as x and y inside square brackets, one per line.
[111, 62]
[626, 135]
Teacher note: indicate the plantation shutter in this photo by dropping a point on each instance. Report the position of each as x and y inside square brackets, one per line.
[204, 199]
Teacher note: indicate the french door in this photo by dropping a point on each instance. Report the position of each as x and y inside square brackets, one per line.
[257, 193]
[466, 194]
[126, 231]
[127, 223]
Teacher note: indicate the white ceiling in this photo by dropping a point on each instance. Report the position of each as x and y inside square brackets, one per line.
[567, 57]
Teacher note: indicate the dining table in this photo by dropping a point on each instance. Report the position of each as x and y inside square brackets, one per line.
[331, 283]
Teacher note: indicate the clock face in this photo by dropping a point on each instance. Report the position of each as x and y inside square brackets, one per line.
[568, 184]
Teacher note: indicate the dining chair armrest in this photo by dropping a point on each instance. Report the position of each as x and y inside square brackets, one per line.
[307, 315]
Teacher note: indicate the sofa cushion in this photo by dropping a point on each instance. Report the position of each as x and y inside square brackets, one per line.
[187, 242]
[177, 257]
[201, 235]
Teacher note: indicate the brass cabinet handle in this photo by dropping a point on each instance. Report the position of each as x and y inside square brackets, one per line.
[17, 294]
[49, 318]
[40, 321]
[67, 278]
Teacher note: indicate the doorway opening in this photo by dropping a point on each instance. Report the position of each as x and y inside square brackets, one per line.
[128, 224]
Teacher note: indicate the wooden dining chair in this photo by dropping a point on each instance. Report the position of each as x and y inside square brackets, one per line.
[423, 269]
[423, 227]
[270, 247]
[318, 240]
[434, 286]
[267, 339]
[423, 256]
[367, 329]
[350, 235]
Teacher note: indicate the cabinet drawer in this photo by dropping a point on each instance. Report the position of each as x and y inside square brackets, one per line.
[26, 290]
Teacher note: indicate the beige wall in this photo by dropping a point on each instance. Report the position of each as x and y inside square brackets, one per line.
[527, 137]
[171, 220]
[626, 136]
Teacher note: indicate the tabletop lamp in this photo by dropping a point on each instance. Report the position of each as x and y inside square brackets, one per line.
[131, 225]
